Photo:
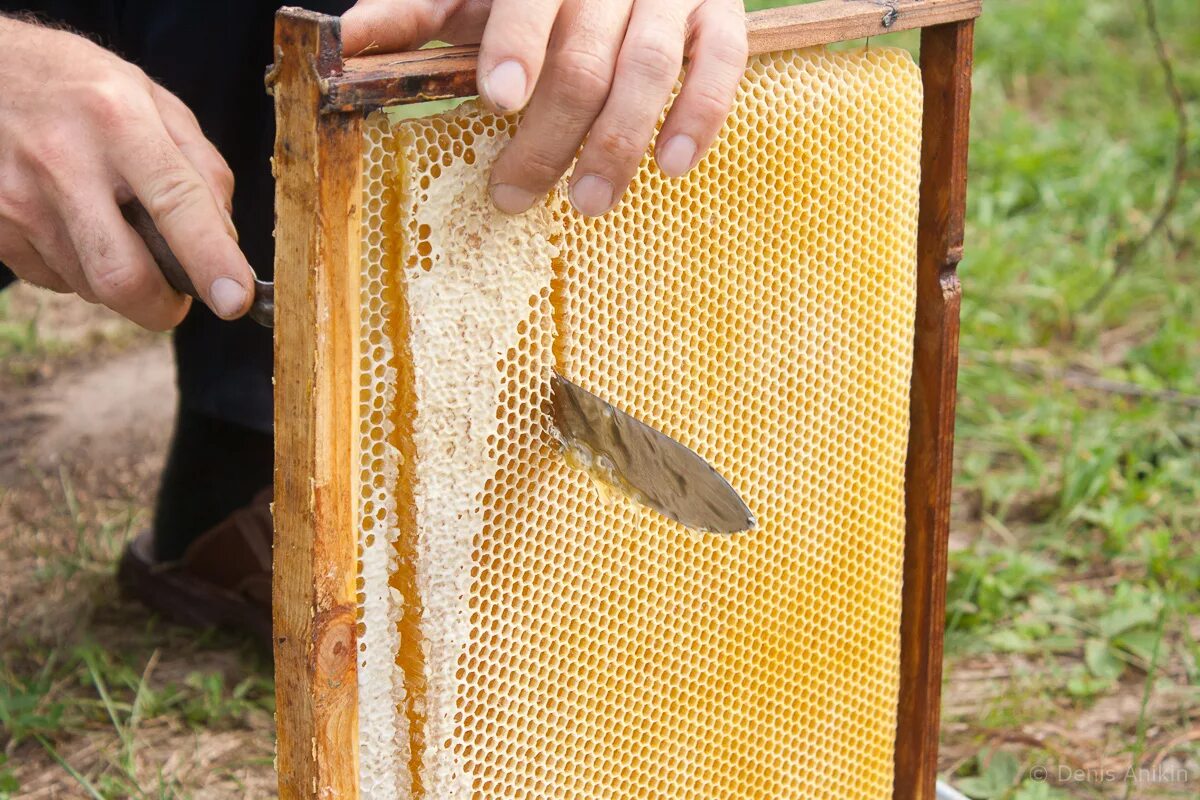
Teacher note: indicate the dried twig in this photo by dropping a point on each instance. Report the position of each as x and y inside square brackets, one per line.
[1173, 744]
[1082, 380]
[1079, 379]
[1126, 251]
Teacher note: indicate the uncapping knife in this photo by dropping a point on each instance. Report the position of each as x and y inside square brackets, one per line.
[643, 464]
[262, 310]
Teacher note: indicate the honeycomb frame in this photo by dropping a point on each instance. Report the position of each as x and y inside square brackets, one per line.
[322, 498]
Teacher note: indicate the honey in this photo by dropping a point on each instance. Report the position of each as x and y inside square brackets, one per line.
[607, 480]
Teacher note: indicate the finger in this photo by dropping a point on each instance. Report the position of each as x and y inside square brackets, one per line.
[513, 51]
[716, 65]
[26, 263]
[56, 249]
[32, 230]
[563, 107]
[467, 24]
[384, 26]
[187, 215]
[116, 263]
[647, 69]
[184, 130]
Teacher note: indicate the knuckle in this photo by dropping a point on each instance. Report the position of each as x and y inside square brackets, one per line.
[218, 176]
[117, 283]
[710, 102]
[655, 55]
[174, 194]
[618, 145]
[20, 207]
[223, 175]
[583, 79]
[213, 168]
[53, 155]
[728, 46]
[540, 169]
[172, 101]
[107, 103]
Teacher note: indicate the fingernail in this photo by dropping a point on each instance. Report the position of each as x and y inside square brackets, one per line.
[505, 86]
[675, 157]
[228, 296]
[512, 199]
[592, 195]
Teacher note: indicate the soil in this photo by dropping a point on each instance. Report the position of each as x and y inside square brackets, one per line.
[86, 414]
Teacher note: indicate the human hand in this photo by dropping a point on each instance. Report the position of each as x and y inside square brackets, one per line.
[83, 132]
[596, 69]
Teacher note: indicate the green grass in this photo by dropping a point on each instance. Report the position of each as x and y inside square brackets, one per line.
[18, 336]
[34, 338]
[1071, 153]
[1075, 564]
[1082, 555]
[57, 693]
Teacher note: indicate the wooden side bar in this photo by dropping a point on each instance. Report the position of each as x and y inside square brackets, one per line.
[317, 198]
[372, 81]
[946, 52]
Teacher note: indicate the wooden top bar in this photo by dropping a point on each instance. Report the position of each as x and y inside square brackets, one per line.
[832, 21]
[369, 82]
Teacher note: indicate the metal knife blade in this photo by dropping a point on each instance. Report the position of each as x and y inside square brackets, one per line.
[644, 464]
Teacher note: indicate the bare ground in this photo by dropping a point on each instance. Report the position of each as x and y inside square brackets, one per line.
[86, 411]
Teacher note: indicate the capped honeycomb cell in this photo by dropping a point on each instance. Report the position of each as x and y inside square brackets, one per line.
[523, 637]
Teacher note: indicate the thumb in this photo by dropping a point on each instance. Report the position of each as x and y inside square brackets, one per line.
[387, 26]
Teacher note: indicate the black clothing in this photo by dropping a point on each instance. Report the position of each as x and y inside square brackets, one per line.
[214, 468]
[213, 55]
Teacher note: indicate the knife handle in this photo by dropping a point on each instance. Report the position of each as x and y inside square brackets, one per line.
[262, 310]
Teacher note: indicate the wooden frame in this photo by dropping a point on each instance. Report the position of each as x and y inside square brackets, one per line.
[320, 101]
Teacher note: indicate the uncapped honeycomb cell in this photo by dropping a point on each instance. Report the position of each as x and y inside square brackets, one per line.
[521, 636]
[384, 742]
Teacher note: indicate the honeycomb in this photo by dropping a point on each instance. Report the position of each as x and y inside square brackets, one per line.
[523, 637]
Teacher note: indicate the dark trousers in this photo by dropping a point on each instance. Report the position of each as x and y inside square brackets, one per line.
[213, 54]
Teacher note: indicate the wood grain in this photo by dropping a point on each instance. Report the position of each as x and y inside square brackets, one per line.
[317, 195]
[372, 81]
[832, 21]
[946, 52]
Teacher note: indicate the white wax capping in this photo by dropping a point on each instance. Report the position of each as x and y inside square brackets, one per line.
[464, 314]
